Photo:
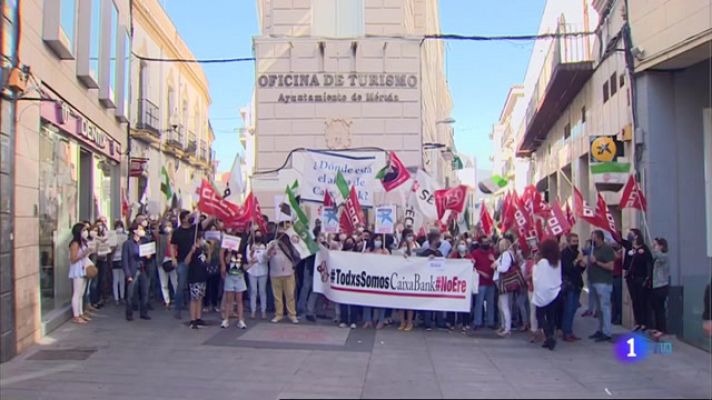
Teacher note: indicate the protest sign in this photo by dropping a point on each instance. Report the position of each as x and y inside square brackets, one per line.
[329, 220]
[231, 242]
[385, 219]
[316, 172]
[415, 283]
[147, 249]
[213, 235]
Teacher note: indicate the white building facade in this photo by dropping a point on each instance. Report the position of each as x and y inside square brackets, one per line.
[348, 75]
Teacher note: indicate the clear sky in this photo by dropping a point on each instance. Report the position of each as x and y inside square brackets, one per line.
[479, 73]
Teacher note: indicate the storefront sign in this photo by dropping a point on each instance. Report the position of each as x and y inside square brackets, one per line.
[72, 123]
[316, 88]
[414, 283]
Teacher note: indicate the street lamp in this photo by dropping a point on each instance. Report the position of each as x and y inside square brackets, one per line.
[448, 120]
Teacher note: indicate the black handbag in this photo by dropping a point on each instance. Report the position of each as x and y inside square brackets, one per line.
[168, 266]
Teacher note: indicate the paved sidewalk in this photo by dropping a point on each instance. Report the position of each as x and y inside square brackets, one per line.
[163, 359]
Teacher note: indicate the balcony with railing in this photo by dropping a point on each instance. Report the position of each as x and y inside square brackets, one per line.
[148, 117]
[176, 137]
[567, 67]
[191, 147]
[203, 151]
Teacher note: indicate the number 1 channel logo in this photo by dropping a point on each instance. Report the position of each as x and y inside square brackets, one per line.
[631, 348]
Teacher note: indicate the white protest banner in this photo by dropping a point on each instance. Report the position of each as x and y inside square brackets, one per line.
[316, 172]
[425, 188]
[385, 219]
[147, 249]
[414, 283]
[213, 235]
[329, 220]
[231, 242]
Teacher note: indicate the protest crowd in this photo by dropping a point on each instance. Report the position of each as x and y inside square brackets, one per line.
[233, 261]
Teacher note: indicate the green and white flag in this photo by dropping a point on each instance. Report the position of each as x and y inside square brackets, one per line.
[301, 225]
[493, 184]
[166, 188]
[610, 176]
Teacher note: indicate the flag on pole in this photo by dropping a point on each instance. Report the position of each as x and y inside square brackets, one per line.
[166, 188]
[486, 220]
[146, 192]
[632, 196]
[605, 217]
[507, 214]
[583, 210]
[556, 222]
[328, 201]
[301, 225]
[125, 206]
[394, 173]
[257, 213]
[450, 199]
[570, 216]
[235, 186]
[352, 216]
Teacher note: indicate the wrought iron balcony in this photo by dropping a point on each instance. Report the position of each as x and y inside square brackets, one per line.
[203, 154]
[567, 67]
[176, 137]
[192, 146]
[148, 117]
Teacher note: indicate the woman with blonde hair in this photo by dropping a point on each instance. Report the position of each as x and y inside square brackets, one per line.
[505, 261]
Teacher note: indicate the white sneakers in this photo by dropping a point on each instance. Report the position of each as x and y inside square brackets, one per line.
[225, 324]
[241, 324]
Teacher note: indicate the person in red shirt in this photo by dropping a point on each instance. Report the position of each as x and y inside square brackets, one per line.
[484, 257]
[460, 319]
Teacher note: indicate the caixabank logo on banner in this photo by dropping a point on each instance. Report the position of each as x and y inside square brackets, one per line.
[395, 281]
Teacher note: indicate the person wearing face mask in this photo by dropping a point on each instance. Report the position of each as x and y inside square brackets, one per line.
[461, 319]
[135, 271]
[408, 246]
[118, 279]
[638, 280]
[484, 258]
[197, 260]
[79, 253]
[103, 250]
[431, 317]
[376, 315]
[166, 271]
[600, 273]
[182, 241]
[573, 265]
[258, 274]
[232, 269]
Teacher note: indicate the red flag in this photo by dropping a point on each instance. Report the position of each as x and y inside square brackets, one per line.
[328, 201]
[352, 215]
[632, 196]
[450, 199]
[583, 210]
[606, 219]
[486, 220]
[570, 216]
[125, 207]
[507, 213]
[556, 222]
[257, 214]
[394, 174]
[523, 224]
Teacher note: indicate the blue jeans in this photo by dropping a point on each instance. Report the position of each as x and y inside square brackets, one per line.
[603, 296]
[484, 293]
[137, 290]
[571, 301]
[368, 314]
[617, 299]
[180, 297]
[304, 291]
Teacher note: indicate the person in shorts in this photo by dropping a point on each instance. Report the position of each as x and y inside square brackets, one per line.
[197, 261]
[232, 269]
